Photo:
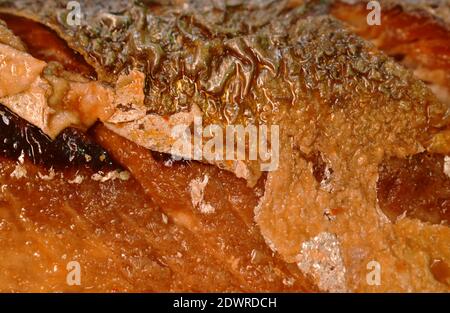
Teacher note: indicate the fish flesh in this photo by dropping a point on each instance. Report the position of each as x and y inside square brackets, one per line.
[351, 119]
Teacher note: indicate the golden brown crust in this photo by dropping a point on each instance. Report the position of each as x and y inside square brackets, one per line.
[344, 110]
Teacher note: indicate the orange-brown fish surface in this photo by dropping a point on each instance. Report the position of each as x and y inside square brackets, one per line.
[87, 176]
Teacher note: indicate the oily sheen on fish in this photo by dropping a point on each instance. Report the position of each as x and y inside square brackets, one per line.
[348, 115]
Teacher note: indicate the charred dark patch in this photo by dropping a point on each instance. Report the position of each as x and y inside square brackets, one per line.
[416, 186]
[72, 148]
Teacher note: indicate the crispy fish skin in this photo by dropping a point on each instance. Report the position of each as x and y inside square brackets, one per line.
[147, 43]
[330, 92]
[222, 60]
[234, 62]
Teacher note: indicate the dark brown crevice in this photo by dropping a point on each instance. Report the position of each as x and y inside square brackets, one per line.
[72, 148]
[415, 187]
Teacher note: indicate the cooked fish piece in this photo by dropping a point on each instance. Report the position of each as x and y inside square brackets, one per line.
[344, 110]
[228, 63]
[79, 205]
[120, 239]
[191, 196]
[252, 266]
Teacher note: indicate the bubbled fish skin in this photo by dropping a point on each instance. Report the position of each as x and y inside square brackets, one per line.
[238, 63]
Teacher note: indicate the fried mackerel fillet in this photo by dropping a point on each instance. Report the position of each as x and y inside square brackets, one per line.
[360, 137]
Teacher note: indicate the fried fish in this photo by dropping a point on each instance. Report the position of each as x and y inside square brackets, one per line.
[359, 133]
